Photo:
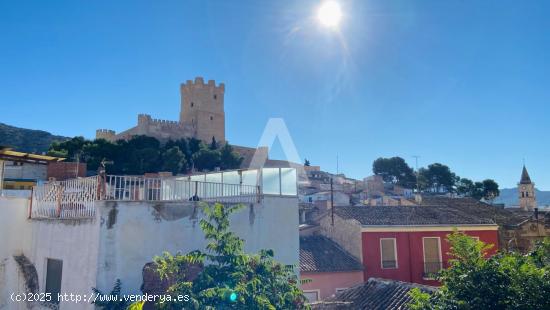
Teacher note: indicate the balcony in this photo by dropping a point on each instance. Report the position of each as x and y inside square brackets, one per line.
[431, 269]
[75, 198]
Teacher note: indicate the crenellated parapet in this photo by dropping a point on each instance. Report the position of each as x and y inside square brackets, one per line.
[106, 134]
[202, 116]
[199, 83]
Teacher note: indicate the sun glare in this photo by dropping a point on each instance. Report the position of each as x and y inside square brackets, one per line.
[329, 14]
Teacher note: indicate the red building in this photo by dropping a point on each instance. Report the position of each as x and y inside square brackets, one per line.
[405, 243]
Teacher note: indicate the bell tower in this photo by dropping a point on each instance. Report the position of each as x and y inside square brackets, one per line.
[526, 192]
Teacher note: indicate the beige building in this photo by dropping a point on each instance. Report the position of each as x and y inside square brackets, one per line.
[202, 116]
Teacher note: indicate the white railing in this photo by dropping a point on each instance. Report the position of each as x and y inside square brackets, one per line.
[75, 198]
[65, 199]
[135, 188]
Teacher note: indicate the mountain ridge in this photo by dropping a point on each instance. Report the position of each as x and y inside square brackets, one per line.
[509, 197]
[27, 140]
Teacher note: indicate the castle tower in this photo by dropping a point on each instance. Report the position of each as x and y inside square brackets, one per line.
[526, 191]
[202, 109]
[106, 134]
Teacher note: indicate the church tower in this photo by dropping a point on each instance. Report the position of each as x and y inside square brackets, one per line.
[526, 191]
[202, 109]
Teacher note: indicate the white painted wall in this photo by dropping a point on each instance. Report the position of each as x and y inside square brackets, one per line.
[15, 236]
[144, 230]
[75, 242]
[95, 252]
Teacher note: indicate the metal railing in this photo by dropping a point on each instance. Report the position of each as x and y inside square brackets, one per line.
[389, 264]
[75, 198]
[65, 199]
[176, 189]
[431, 269]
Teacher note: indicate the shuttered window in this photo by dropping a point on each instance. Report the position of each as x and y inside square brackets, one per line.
[432, 256]
[388, 252]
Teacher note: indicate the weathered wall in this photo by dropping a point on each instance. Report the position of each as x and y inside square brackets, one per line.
[15, 239]
[347, 233]
[132, 233]
[25, 171]
[66, 170]
[75, 242]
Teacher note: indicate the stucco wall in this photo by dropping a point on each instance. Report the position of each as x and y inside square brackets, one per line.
[347, 233]
[15, 236]
[75, 242]
[132, 233]
[327, 282]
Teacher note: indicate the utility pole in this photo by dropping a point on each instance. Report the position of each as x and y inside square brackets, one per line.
[331, 201]
[416, 157]
[337, 164]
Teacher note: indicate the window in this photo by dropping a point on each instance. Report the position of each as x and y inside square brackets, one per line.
[54, 269]
[215, 97]
[388, 253]
[312, 296]
[211, 118]
[192, 104]
[341, 289]
[432, 256]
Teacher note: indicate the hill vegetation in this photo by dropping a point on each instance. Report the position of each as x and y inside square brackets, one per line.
[143, 154]
[27, 140]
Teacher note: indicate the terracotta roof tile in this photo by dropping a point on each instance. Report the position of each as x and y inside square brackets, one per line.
[320, 254]
[375, 294]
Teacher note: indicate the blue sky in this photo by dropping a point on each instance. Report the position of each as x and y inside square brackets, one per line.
[462, 82]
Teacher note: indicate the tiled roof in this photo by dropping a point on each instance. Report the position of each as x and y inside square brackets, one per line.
[508, 217]
[320, 254]
[375, 294]
[411, 215]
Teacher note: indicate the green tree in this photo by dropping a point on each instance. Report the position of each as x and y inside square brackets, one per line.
[231, 278]
[490, 189]
[69, 147]
[438, 178]
[394, 170]
[465, 187]
[173, 160]
[228, 158]
[503, 281]
[206, 159]
[213, 144]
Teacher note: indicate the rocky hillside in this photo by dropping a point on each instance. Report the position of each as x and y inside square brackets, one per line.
[27, 140]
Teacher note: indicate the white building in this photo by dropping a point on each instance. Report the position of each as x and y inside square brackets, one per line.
[84, 233]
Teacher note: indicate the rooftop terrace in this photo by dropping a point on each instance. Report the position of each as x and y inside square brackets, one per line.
[76, 198]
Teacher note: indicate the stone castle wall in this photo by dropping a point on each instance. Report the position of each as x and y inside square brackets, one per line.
[202, 116]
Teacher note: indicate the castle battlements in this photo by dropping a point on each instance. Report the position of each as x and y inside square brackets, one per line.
[146, 119]
[199, 81]
[202, 116]
[105, 131]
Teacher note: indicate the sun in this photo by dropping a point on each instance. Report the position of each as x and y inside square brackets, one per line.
[329, 14]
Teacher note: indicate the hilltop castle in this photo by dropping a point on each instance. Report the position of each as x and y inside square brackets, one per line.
[202, 116]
